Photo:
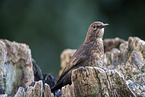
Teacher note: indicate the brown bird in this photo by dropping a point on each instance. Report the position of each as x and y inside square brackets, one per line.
[90, 53]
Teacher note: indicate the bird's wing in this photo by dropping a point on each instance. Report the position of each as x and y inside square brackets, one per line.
[78, 57]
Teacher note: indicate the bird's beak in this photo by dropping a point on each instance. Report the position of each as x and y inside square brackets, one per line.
[104, 25]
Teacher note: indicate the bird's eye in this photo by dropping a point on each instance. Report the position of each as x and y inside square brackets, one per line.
[93, 26]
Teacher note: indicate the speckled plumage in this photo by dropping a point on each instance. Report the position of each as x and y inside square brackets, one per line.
[90, 53]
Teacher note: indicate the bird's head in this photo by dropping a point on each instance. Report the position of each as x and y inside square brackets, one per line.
[96, 30]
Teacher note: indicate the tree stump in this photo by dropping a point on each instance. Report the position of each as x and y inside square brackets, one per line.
[121, 75]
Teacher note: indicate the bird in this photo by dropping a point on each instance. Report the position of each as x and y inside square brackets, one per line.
[90, 53]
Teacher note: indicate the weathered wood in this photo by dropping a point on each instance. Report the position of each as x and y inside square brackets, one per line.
[38, 90]
[121, 75]
[126, 64]
[96, 82]
[15, 65]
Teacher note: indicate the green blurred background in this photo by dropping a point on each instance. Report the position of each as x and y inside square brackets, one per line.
[50, 26]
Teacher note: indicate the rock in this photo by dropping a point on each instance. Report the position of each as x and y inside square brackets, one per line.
[15, 65]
